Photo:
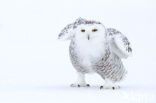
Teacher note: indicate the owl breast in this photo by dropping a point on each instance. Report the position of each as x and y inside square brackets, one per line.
[85, 53]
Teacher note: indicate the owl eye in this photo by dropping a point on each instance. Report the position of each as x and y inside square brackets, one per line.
[82, 30]
[94, 30]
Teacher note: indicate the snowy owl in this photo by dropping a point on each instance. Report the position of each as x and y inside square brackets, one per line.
[96, 49]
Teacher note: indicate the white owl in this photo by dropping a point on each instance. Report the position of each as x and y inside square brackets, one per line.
[96, 49]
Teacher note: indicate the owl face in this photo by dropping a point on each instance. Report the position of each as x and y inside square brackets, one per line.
[83, 29]
[89, 32]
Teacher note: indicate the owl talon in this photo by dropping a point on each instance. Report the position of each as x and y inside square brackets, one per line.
[88, 85]
[78, 85]
[110, 87]
[101, 87]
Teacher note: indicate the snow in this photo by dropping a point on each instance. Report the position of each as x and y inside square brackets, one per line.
[35, 66]
[62, 93]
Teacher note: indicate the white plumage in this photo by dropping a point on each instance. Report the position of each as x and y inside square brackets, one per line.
[94, 48]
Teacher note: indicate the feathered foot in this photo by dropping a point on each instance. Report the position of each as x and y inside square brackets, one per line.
[80, 81]
[109, 85]
[79, 85]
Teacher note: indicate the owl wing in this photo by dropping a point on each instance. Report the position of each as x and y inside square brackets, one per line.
[119, 44]
[67, 32]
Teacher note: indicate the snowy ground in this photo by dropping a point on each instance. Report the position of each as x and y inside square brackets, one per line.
[65, 94]
[35, 66]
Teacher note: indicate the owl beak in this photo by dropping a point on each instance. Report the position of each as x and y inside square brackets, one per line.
[88, 37]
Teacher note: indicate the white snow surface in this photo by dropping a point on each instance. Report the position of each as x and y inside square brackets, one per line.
[35, 66]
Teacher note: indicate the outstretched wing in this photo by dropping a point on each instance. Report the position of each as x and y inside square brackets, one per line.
[67, 32]
[119, 43]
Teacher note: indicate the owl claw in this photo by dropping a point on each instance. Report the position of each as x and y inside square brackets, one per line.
[80, 85]
[110, 87]
[101, 87]
[88, 85]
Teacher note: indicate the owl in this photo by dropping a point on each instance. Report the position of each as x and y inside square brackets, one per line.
[96, 49]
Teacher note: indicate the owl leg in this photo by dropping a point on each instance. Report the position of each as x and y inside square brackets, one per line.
[109, 85]
[80, 81]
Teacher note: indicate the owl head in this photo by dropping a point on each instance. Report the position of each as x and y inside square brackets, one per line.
[83, 29]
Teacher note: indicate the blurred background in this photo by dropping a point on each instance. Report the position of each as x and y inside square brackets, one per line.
[35, 66]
